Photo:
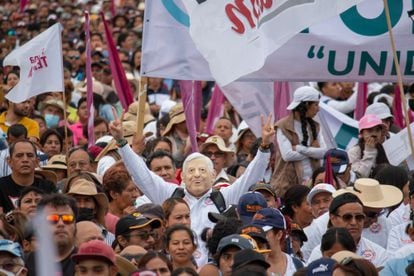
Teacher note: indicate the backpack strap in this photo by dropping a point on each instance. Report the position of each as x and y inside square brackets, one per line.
[178, 193]
[218, 200]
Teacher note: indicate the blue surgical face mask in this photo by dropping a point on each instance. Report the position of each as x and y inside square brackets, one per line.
[52, 120]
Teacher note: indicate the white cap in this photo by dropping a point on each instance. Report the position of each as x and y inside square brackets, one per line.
[304, 94]
[320, 188]
[380, 109]
[104, 139]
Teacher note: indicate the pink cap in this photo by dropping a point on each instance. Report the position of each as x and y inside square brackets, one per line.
[369, 121]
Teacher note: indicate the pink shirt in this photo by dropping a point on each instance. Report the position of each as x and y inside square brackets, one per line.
[110, 222]
[77, 129]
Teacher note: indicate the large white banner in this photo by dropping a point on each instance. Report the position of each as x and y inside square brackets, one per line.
[352, 46]
[236, 37]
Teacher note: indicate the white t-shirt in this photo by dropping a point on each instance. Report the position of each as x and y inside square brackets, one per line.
[314, 234]
[378, 232]
[370, 251]
[399, 215]
[398, 238]
[290, 267]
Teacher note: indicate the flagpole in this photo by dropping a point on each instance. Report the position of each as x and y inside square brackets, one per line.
[142, 98]
[65, 117]
[399, 76]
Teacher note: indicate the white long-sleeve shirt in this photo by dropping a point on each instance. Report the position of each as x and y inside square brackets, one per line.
[157, 190]
[342, 106]
[301, 153]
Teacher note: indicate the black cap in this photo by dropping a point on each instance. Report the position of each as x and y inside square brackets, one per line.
[248, 256]
[134, 221]
[230, 212]
[343, 199]
[253, 231]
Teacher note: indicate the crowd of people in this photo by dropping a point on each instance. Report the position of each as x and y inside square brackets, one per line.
[282, 204]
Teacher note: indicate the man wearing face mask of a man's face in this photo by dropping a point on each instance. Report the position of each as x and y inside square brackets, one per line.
[52, 111]
[92, 205]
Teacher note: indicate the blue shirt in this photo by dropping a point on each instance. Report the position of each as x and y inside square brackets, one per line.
[397, 266]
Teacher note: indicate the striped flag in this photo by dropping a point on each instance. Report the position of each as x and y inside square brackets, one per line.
[188, 94]
[339, 130]
[216, 109]
[361, 102]
[281, 99]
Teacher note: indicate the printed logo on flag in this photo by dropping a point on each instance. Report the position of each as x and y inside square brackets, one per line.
[37, 62]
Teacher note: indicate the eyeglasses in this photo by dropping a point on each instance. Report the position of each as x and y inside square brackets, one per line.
[73, 57]
[144, 235]
[67, 219]
[374, 214]
[209, 154]
[348, 217]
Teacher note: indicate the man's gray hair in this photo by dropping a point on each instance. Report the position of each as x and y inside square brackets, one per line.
[197, 155]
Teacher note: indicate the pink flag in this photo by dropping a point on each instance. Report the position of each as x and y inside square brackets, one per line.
[121, 83]
[89, 89]
[361, 102]
[188, 97]
[328, 171]
[198, 103]
[113, 8]
[23, 4]
[281, 99]
[216, 109]
[397, 108]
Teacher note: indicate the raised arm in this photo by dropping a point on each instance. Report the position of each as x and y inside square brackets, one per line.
[153, 186]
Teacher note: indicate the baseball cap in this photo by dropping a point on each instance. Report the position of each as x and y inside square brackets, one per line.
[369, 121]
[304, 94]
[320, 188]
[11, 247]
[253, 231]
[248, 256]
[342, 199]
[269, 218]
[249, 204]
[339, 160]
[134, 221]
[321, 267]
[233, 240]
[261, 186]
[95, 249]
[380, 109]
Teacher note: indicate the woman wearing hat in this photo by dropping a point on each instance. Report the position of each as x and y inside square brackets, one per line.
[301, 146]
[368, 153]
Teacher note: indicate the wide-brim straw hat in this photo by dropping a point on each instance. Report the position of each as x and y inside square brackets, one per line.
[88, 188]
[373, 194]
[221, 145]
[56, 103]
[47, 175]
[177, 116]
[131, 114]
[56, 162]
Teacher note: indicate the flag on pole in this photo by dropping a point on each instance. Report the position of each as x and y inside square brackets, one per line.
[89, 87]
[361, 102]
[338, 130]
[281, 99]
[188, 97]
[41, 65]
[329, 178]
[236, 37]
[198, 103]
[397, 108]
[23, 4]
[118, 73]
[215, 110]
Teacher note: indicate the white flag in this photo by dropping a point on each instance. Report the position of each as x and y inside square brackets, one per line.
[338, 129]
[41, 65]
[236, 37]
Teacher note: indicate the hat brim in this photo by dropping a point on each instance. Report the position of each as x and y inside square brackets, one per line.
[313, 193]
[81, 257]
[215, 217]
[265, 189]
[229, 153]
[125, 267]
[55, 167]
[179, 118]
[48, 175]
[392, 197]
[292, 105]
[109, 147]
[154, 223]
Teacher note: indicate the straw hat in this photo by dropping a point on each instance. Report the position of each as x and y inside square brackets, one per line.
[221, 145]
[373, 194]
[47, 175]
[88, 188]
[56, 103]
[57, 162]
[241, 130]
[176, 116]
[125, 267]
[343, 254]
[131, 114]
[97, 87]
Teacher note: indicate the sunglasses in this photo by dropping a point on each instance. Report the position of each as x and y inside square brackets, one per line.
[374, 214]
[67, 219]
[209, 154]
[144, 235]
[349, 217]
